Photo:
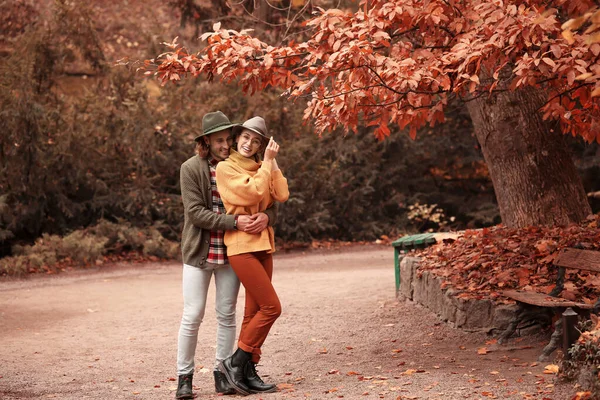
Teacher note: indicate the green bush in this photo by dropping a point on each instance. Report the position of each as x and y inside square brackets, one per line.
[69, 161]
[89, 246]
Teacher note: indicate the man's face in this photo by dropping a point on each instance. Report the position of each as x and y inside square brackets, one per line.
[219, 143]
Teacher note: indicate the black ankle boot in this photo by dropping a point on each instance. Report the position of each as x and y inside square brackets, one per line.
[221, 384]
[184, 387]
[255, 383]
[234, 370]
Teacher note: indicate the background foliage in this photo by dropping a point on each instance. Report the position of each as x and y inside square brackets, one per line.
[85, 141]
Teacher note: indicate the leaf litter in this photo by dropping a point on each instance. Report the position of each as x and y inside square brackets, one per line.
[482, 263]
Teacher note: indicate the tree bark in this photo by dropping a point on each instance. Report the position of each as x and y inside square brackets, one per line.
[534, 177]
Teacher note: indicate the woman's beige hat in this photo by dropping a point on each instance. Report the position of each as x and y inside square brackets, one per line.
[255, 124]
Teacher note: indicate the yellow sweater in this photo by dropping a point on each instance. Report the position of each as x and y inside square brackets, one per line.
[247, 187]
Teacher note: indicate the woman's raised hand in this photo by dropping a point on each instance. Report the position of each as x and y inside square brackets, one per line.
[271, 150]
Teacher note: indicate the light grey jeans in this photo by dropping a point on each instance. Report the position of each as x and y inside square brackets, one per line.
[195, 290]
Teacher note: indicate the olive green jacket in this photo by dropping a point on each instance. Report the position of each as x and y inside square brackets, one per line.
[199, 217]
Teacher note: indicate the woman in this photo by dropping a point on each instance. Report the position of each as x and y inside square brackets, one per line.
[249, 186]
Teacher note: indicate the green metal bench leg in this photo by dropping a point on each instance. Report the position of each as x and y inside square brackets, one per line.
[397, 260]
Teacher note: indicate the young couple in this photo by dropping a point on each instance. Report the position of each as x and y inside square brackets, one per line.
[228, 196]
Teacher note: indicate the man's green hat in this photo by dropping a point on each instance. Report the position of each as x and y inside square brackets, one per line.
[214, 122]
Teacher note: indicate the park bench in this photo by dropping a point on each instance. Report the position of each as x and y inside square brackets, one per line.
[413, 242]
[541, 307]
[405, 244]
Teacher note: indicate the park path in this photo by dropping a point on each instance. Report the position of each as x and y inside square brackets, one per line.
[111, 334]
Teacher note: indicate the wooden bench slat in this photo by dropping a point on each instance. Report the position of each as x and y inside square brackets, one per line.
[588, 260]
[543, 300]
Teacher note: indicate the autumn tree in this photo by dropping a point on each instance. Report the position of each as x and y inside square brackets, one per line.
[526, 79]
[276, 20]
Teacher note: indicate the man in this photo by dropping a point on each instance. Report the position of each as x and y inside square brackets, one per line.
[204, 253]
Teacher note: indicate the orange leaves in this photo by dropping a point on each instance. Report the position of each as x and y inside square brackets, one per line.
[587, 395]
[285, 386]
[551, 369]
[487, 261]
[382, 131]
[397, 63]
[568, 36]
[581, 67]
[546, 246]
[523, 274]
[173, 44]
[413, 371]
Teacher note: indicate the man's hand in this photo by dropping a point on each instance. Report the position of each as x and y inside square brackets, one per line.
[243, 221]
[259, 223]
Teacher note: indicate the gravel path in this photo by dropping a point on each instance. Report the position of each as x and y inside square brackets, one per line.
[112, 334]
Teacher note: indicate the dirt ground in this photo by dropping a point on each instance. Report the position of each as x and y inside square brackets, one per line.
[112, 334]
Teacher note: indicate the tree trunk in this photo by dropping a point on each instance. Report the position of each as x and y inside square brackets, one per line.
[534, 177]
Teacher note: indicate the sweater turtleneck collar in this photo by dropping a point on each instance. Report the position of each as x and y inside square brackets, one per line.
[249, 164]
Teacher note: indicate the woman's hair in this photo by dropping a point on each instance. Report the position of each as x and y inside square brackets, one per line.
[259, 154]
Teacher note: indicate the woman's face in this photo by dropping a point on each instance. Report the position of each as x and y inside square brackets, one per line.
[249, 143]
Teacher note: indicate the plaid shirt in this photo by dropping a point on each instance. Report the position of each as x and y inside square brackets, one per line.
[217, 253]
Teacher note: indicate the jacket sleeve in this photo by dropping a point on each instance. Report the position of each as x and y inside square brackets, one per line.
[272, 212]
[195, 205]
[279, 187]
[239, 188]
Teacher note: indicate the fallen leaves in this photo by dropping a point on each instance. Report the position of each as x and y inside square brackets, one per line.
[483, 263]
[412, 371]
[551, 369]
[587, 395]
[482, 350]
[284, 386]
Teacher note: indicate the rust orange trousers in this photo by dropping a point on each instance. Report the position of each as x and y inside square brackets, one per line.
[262, 308]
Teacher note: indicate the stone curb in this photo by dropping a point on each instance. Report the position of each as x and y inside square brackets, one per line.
[467, 314]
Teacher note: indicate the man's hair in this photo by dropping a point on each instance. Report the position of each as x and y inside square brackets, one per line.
[201, 147]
